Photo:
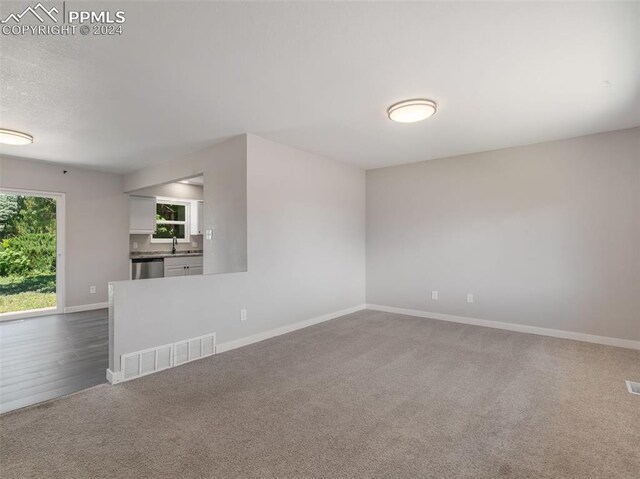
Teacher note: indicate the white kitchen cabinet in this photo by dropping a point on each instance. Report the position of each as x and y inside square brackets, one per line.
[182, 266]
[142, 215]
[197, 217]
[193, 270]
[174, 271]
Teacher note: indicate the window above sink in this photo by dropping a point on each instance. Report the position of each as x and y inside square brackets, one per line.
[172, 220]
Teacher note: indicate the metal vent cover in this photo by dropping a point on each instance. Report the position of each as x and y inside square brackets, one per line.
[147, 361]
[181, 353]
[131, 366]
[156, 359]
[634, 388]
[164, 358]
[194, 348]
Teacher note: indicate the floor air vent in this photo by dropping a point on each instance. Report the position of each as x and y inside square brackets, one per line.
[141, 363]
[634, 388]
[146, 362]
[196, 348]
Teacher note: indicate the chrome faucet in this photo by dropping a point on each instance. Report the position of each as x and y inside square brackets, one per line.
[175, 243]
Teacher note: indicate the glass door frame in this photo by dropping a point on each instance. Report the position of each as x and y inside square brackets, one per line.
[60, 256]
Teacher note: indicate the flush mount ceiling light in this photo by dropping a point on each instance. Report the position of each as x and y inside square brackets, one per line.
[410, 111]
[11, 137]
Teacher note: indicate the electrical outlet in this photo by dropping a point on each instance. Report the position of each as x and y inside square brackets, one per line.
[434, 295]
[135, 245]
[469, 298]
[243, 315]
[92, 289]
[208, 234]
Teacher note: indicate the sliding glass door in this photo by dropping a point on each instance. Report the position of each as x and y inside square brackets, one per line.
[31, 241]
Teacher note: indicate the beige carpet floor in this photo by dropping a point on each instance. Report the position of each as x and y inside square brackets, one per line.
[369, 395]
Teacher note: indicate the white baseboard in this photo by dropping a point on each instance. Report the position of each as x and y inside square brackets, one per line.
[114, 377]
[238, 343]
[86, 307]
[521, 328]
[31, 313]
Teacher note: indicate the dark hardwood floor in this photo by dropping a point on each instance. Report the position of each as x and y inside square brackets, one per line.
[50, 356]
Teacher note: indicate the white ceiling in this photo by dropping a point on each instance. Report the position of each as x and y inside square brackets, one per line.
[319, 76]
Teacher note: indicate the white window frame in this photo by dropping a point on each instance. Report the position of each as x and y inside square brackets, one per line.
[186, 222]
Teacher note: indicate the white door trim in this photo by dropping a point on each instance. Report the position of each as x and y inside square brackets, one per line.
[60, 253]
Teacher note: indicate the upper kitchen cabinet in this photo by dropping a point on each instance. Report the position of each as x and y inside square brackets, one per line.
[142, 219]
[197, 217]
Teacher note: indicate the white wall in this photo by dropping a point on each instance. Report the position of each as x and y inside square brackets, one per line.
[305, 254]
[97, 223]
[172, 190]
[546, 235]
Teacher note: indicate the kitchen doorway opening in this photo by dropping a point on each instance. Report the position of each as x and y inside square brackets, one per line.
[31, 253]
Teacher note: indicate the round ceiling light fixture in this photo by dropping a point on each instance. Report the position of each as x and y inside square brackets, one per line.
[12, 137]
[410, 111]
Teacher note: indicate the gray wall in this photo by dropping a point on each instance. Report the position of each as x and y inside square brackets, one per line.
[97, 223]
[305, 255]
[225, 208]
[545, 235]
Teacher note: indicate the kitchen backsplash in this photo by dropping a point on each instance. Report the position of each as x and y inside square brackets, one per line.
[144, 244]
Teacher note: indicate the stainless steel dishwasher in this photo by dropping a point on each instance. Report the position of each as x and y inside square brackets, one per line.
[144, 268]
